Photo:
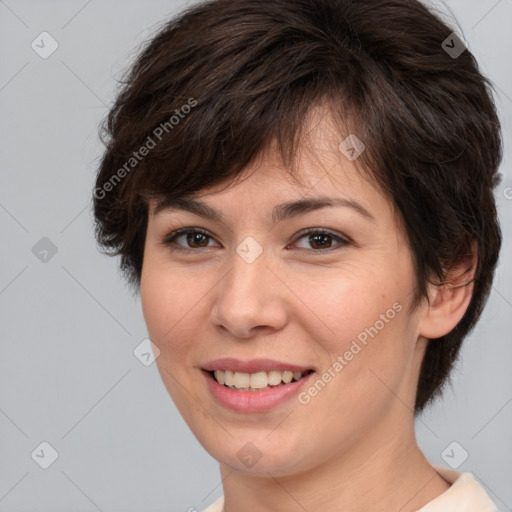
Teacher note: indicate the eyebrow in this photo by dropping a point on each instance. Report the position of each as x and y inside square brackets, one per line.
[279, 213]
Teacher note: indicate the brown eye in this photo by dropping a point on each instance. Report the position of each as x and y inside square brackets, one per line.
[189, 239]
[319, 241]
[195, 239]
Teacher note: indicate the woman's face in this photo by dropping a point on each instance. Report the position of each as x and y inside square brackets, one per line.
[276, 282]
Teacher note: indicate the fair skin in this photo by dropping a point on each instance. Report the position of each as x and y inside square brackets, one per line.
[352, 447]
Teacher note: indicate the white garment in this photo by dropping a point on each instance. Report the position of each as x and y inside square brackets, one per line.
[464, 495]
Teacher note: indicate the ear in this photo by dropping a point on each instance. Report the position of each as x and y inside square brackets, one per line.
[450, 299]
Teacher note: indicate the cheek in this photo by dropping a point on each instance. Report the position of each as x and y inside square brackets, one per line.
[360, 321]
[343, 306]
[169, 302]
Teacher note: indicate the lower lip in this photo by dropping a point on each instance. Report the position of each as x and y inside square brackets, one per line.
[253, 401]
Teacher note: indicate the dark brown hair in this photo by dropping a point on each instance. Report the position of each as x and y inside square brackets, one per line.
[217, 84]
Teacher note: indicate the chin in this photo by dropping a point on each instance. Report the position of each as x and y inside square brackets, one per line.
[257, 453]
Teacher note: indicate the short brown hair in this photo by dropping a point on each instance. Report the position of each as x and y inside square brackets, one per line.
[218, 83]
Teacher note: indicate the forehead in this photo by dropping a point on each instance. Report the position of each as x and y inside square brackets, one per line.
[320, 169]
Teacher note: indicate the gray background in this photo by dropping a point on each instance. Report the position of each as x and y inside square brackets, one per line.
[69, 325]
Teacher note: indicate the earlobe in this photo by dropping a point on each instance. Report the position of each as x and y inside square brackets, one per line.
[450, 299]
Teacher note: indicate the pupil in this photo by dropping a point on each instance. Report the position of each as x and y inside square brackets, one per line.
[194, 238]
[320, 240]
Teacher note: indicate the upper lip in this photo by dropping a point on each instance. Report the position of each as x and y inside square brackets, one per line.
[252, 366]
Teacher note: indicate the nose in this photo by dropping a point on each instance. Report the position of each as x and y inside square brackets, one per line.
[250, 300]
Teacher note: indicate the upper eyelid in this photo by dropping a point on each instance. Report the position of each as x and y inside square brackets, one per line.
[183, 231]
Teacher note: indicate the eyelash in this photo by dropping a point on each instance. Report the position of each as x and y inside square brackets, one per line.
[170, 239]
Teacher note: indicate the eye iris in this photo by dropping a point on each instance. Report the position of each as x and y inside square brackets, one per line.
[193, 238]
[321, 240]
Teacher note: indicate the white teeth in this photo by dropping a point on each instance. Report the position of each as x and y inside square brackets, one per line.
[241, 380]
[229, 378]
[219, 376]
[287, 377]
[255, 381]
[259, 380]
[274, 378]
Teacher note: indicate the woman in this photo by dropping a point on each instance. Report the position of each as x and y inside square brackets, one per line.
[302, 192]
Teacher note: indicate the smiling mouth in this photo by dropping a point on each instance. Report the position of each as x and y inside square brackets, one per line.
[258, 381]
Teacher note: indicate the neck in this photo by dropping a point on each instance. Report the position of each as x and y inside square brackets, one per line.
[374, 475]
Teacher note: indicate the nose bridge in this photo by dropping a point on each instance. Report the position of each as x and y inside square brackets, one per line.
[247, 279]
[246, 297]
